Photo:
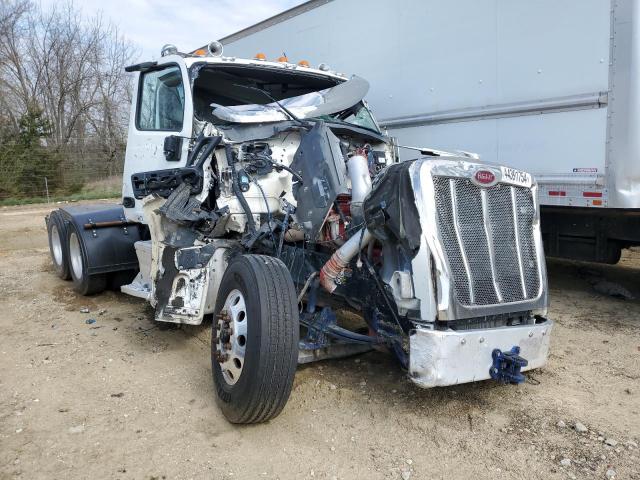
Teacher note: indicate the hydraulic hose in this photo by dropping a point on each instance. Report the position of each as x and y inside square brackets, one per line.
[200, 142]
[213, 143]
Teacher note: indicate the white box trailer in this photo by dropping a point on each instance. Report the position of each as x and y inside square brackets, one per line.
[552, 87]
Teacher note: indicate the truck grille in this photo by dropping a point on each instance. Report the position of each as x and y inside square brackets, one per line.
[487, 235]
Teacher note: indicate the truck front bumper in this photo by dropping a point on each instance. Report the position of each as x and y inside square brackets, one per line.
[446, 357]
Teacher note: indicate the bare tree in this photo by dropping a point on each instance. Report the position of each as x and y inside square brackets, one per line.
[69, 71]
[69, 67]
[12, 76]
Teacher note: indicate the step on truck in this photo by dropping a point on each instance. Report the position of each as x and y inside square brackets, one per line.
[262, 196]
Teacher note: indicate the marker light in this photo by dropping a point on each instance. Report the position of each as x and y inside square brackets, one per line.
[260, 56]
[303, 63]
[283, 59]
[201, 52]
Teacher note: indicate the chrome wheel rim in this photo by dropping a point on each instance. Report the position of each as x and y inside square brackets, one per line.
[75, 255]
[231, 337]
[56, 245]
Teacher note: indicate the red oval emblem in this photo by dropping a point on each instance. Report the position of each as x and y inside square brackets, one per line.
[485, 177]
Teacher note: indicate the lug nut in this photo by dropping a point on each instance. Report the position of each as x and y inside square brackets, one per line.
[221, 357]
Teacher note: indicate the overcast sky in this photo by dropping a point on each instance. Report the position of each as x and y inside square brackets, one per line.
[188, 24]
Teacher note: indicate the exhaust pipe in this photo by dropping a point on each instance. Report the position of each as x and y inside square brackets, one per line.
[358, 168]
[341, 258]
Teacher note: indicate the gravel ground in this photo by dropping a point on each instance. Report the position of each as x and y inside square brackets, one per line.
[121, 398]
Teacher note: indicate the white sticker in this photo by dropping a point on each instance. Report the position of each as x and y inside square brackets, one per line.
[516, 176]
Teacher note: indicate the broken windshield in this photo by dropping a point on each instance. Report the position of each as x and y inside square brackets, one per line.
[359, 115]
[232, 95]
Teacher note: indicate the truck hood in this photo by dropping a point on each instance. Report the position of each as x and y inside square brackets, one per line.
[314, 104]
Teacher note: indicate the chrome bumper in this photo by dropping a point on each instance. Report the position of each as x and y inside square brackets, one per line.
[439, 358]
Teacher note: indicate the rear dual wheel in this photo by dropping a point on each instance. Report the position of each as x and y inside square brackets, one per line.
[68, 255]
[254, 347]
[57, 233]
[83, 282]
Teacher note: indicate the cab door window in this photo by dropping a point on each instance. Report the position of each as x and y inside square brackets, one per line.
[161, 100]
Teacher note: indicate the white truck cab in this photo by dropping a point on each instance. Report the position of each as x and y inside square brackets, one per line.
[263, 196]
[163, 96]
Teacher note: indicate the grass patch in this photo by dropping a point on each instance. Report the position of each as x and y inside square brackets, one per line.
[104, 188]
[75, 197]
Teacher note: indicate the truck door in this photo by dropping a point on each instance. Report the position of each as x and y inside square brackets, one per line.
[161, 107]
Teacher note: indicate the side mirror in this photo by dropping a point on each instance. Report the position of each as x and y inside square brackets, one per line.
[172, 148]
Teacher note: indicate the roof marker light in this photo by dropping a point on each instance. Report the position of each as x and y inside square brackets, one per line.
[303, 63]
[283, 59]
[260, 56]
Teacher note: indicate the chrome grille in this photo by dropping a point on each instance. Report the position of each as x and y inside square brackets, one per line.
[488, 240]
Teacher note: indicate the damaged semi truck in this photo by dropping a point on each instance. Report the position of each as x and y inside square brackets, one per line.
[264, 196]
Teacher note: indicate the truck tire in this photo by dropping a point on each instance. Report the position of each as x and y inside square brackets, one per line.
[83, 283]
[116, 279]
[254, 345]
[57, 233]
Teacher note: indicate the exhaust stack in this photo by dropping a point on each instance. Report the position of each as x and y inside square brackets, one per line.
[358, 168]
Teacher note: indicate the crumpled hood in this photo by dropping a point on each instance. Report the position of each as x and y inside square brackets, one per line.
[313, 104]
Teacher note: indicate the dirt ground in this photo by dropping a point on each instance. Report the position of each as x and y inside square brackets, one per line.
[121, 398]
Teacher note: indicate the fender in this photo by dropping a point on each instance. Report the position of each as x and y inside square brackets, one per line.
[107, 236]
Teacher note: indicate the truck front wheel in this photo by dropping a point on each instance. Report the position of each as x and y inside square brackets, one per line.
[83, 283]
[254, 345]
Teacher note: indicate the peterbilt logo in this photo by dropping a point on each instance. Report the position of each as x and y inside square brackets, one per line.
[484, 178]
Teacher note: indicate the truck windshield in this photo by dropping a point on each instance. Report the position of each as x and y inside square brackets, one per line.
[358, 115]
[221, 96]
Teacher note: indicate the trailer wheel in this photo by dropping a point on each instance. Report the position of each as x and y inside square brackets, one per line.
[254, 345]
[83, 283]
[57, 233]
